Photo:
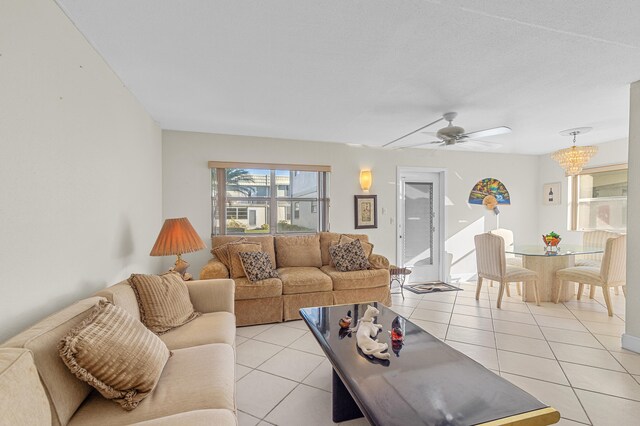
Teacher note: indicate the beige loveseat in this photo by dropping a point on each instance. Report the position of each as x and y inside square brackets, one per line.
[197, 385]
[306, 278]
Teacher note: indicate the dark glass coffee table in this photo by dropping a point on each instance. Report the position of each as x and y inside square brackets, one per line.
[426, 382]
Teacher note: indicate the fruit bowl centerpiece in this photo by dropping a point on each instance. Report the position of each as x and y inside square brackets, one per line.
[551, 241]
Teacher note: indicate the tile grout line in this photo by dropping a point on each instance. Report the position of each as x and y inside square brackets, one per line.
[495, 340]
[563, 372]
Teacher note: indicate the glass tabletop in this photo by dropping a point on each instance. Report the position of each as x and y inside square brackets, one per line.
[563, 250]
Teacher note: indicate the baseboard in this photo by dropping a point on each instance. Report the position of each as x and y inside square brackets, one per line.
[630, 342]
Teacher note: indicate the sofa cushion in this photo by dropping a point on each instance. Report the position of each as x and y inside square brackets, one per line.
[23, 401]
[217, 417]
[326, 238]
[368, 278]
[235, 263]
[367, 247]
[116, 354]
[245, 289]
[196, 378]
[298, 250]
[64, 390]
[163, 301]
[349, 257]
[266, 241]
[304, 279]
[122, 295]
[257, 266]
[214, 327]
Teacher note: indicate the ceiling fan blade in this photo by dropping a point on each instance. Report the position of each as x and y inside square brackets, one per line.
[474, 143]
[486, 133]
[438, 142]
[415, 131]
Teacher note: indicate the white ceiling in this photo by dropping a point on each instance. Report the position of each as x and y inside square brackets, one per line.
[368, 71]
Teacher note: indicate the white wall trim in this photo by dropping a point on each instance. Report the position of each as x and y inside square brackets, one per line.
[630, 342]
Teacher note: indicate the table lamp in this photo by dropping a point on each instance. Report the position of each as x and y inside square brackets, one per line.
[176, 237]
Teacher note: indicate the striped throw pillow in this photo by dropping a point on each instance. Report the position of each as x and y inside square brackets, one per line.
[116, 354]
[163, 301]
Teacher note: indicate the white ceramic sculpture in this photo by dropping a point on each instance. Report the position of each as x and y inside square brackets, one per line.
[366, 330]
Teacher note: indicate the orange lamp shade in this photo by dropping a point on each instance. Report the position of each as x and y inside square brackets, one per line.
[365, 179]
[177, 236]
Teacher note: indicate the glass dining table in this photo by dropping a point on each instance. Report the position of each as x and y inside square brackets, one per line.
[545, 263]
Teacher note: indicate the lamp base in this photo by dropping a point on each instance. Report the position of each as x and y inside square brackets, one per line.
[180, 267]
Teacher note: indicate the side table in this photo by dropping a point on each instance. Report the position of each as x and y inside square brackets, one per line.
[398, 275]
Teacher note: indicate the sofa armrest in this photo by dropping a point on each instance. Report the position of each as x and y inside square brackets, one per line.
[212, 295]
[378, 261]
[214, 269]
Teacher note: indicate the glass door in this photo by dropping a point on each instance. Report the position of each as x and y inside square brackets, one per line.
[418, 228]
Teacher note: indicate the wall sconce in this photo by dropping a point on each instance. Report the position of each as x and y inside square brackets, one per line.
[365, 179]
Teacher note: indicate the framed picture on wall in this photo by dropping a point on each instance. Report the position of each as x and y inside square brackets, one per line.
[366, 211]
[552, 194]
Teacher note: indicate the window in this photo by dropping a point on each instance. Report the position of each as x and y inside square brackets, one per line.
[599, 199]
[269, 198]
[237, 213]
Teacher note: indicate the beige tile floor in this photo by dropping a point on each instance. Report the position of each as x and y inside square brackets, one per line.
[567, 355]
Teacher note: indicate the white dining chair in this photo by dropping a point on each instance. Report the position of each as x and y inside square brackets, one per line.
[594, 239]
[611, 273]
[492, 265]
[507, 236]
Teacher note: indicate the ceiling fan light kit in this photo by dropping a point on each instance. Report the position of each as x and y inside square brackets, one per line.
[574, 158]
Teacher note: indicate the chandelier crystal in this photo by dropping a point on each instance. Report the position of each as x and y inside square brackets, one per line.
[574, 158]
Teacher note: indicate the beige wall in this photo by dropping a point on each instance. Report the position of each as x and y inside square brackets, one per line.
[80, 204]
[555, 218]
[631, 338]
[186, 185]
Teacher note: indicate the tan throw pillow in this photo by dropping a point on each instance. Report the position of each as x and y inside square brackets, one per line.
[113, 352]
[298, 250]
[235, 269]
[366, 246]
[349, 257]
[257, 266]
[163, 301]
[222, 252]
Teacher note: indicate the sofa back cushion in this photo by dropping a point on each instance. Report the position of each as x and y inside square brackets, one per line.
[64, 390]
[122, 295]
[326, 238]
[298, 250]
[266, 241]
[23, 401]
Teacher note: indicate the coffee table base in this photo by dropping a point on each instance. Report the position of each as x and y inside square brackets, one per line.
[344, 407]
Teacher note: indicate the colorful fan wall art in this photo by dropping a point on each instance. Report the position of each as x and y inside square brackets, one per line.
[489, 186]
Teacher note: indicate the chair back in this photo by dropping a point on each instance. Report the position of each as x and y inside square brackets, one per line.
[614, 261]
[596, 239]
[507, 236]
[490, 259]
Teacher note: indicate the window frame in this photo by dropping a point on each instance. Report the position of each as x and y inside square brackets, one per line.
[219, 197]
[573, 191]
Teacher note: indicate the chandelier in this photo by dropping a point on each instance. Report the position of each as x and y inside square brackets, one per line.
[574, 158]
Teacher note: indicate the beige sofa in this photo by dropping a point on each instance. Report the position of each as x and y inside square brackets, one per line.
[306, 278]
[197, 386]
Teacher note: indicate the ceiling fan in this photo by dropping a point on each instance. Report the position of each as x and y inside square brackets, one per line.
[451, 135]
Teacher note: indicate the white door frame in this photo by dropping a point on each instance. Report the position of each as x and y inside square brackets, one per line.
[442, 172]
